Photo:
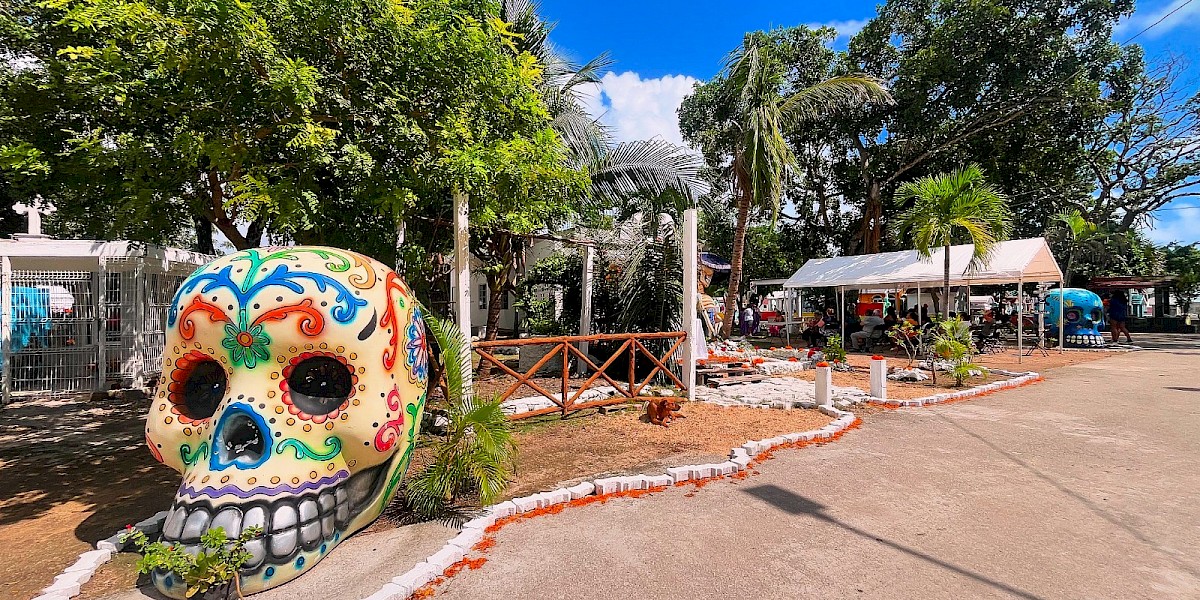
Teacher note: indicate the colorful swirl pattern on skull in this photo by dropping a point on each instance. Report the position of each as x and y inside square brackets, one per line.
[284, 404]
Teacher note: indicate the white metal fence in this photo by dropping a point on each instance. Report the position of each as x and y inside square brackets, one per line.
[88, 329]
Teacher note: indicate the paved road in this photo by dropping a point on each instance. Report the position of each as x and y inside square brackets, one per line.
[1084, 486]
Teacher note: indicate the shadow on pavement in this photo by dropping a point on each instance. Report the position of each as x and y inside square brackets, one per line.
[795, 504]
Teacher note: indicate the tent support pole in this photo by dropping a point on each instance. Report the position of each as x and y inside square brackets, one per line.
[787, 318]
[970, 318]
[842, 309]
[1020, 321]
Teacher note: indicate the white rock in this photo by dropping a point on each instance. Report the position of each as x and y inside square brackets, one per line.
[504, 509]
[583, 489]
[679, 474]
[658, 481]
[392, 591]
[442, 559]
[607, 485]
[418, 576]
[62, 588]
[525, 504]
[467, 538]
[90, 560]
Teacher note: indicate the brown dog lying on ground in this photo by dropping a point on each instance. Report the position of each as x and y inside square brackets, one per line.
[662, 410]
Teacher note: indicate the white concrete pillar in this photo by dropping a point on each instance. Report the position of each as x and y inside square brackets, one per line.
[462, 264]
[691, 323]
[585, 310]
[824, 385]
[879, 378]
[6, 311]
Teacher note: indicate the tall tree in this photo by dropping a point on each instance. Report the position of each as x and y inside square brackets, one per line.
[1183, 261]
[1006, 83]
[753, 111]
[290, 121]
[945, 209]
[1146, 152]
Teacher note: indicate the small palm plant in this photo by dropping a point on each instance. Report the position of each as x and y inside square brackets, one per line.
[956, 206]
[473, 461]
[952, 343]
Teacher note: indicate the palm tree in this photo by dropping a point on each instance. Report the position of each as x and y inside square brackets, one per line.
[762, 156]
[960, 205]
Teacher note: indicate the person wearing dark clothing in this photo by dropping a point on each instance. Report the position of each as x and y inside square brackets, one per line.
[890, 319]
[1118, 313]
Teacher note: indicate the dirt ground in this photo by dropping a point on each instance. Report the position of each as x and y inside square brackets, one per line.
[560, 451]
[72, 472]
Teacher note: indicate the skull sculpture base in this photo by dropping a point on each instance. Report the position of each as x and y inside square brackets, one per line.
[293, 387]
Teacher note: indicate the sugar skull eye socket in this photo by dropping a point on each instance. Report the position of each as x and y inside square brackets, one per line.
[1096, 315]
[204, 389]
[1072, 315]
[320, 384]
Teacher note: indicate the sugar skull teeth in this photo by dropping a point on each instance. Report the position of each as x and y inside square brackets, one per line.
[290, 400]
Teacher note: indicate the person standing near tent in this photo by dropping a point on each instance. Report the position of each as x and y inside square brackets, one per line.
[1118, 313]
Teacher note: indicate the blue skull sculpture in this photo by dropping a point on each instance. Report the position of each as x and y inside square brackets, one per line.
[1082, 317]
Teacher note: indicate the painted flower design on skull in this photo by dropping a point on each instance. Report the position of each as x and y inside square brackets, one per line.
[246, 346]
[416, 352]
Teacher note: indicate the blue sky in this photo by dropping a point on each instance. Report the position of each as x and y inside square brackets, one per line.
[662, 47]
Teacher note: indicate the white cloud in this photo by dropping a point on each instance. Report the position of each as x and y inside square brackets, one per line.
[846, 29]
[1181, 224]
[641, 109]
[1149, 16]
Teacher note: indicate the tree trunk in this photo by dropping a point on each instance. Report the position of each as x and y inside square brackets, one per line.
[204, 235]
[872, 220]
[735, 262]
[401, 233]
[946, 284]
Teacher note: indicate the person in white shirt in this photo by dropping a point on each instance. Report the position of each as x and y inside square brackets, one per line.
[859, 339]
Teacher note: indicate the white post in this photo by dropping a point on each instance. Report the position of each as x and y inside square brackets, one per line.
[824, 385]
[842, 310]
[879, 378]
[401, 234]
[691, 323]
[6, 314]
[585, 310]
[462, 265]
[1020, 321]
[139, 325]
[787, 317]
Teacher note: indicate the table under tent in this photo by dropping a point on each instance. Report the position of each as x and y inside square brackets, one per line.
[1011, 262]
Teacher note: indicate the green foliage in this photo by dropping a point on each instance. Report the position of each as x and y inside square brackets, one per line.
[1183, 261]
[214, 567]
[835, 350]
[473, 459]
[294, 119]
[472, 463]
[907, 337]
[952, 341]
[960, 206]
[741, 117]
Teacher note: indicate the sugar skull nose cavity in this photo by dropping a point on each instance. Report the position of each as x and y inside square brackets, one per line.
[241, 440]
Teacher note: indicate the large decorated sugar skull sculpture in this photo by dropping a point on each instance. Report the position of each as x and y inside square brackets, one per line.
[292, 390]
[1082, 315]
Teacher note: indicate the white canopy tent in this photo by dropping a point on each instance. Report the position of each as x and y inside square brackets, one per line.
[1013, 261]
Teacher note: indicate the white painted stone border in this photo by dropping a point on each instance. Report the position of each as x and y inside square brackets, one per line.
[66, 585]
[1020, 379]
[403, 586]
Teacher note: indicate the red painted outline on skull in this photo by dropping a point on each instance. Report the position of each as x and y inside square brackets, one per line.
[389, 433]
[287, 397]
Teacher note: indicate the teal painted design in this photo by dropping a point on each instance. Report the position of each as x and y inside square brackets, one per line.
[303, 450]
[412, 410]
[190, 458]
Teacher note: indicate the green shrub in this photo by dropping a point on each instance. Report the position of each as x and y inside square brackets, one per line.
[834, 350]
[214, 568]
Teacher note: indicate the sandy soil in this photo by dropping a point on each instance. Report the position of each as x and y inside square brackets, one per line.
[72, 472]
[560, 451]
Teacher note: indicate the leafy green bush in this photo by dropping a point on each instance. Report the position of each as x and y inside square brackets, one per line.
[214, 568]
[473, 461]
[951, 342]
[834, 350]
